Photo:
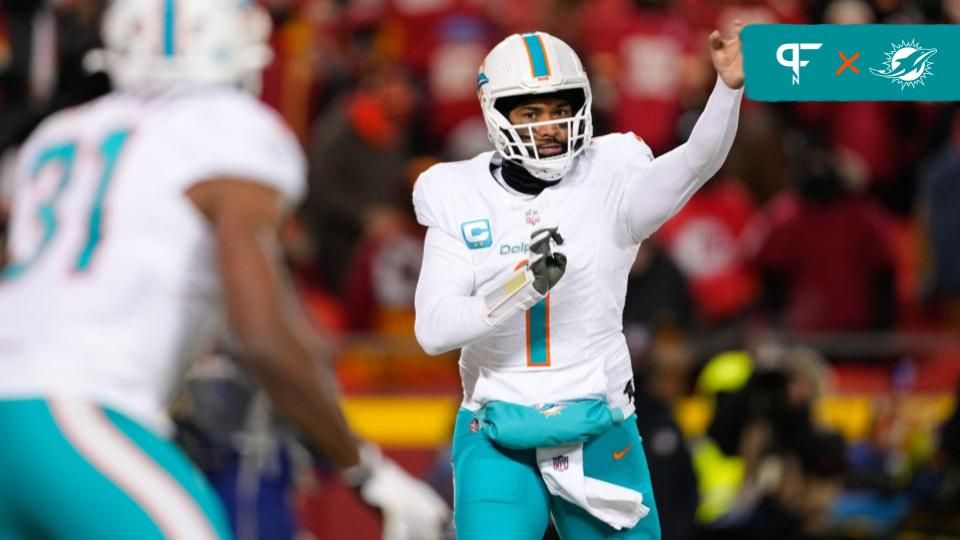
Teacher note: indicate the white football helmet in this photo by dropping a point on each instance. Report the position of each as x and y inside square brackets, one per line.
[150, 43]
[535, 64]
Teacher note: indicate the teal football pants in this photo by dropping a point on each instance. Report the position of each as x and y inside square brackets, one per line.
[72, 470]
[499, 493]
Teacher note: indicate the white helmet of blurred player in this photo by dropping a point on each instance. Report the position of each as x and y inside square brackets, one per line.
[151, 43]
[535, 64]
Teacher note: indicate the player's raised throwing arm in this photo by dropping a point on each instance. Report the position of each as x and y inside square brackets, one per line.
[671, 179]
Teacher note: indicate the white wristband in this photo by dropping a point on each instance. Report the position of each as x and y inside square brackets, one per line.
[370, 456]
[516, 293]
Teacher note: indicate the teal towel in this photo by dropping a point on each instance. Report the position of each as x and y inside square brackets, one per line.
[554, 424]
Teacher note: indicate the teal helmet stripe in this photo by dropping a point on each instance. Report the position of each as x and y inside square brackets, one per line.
[169, 27]
[538, 56]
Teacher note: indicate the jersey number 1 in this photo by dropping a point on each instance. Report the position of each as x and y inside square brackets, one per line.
[538, 334]
[64, 156]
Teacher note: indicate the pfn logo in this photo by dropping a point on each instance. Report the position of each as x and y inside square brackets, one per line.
[477, 234]
[794, 62]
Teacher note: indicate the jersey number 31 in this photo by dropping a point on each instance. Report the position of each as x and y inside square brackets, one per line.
[64, 156]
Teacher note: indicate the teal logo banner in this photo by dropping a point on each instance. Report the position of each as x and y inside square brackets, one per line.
[860, 62]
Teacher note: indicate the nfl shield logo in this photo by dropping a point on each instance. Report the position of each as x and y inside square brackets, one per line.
[561, 463]
[533, 217]
[474, 425]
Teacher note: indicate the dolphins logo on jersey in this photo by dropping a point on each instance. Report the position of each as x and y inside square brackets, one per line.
[550, 409]
[907, 64]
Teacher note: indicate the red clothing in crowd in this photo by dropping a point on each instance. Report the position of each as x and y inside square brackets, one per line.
[705, 241]
[645, 54]
[864, 129]
[706, 15]
[444, 42]
[830, 257]
[4, 43]
[459, 46]
[382, 281]
[417, 22]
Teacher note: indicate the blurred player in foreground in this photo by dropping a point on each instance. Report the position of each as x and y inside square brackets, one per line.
[546, 425]
[141, 223]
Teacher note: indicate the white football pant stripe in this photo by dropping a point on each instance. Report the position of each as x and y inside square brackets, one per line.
[164, 500]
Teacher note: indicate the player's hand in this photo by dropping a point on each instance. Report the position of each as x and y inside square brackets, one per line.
[727, 56]
[411, 509]
[547, 267]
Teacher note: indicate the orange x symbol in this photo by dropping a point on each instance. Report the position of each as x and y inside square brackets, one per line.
[848, 62]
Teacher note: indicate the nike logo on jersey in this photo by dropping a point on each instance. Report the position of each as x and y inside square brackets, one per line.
[618, 455]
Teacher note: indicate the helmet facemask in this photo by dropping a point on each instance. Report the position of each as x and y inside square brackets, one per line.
[517, 142]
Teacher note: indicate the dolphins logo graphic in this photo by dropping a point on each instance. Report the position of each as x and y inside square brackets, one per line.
[908, 64]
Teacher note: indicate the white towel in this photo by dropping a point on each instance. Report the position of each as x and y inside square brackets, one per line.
[562, 470]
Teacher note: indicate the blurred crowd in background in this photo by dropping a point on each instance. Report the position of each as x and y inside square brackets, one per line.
[822, 261]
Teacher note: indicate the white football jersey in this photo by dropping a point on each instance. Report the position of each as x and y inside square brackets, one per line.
[571, 344]
[112, 286]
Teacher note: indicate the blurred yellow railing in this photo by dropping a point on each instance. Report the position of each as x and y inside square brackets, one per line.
[403, 421]
[427, 421]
